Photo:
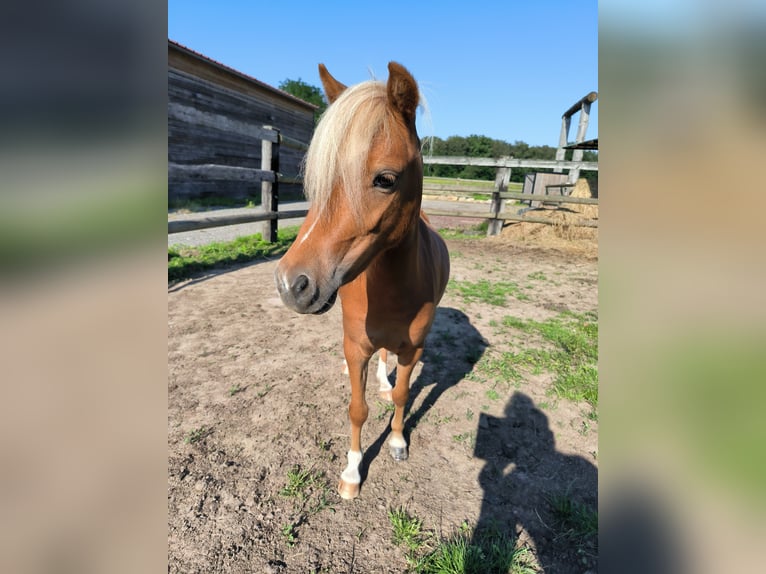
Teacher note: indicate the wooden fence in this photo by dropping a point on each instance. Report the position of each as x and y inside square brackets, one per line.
[270, 177]
[498, 214]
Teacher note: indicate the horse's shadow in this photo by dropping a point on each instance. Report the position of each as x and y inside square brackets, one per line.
[452, 349]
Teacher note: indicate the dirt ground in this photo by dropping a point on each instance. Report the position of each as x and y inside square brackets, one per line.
[256, 390]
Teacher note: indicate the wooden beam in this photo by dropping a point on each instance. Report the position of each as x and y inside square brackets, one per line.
[443, 188]
[194, 116]
[509, 217]
[180, 225]
[270, 189]
[210, 171]
[293, 143]
[586, 99]
[549, 198]
[510, 162]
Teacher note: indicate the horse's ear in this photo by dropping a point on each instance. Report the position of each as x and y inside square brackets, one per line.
[332, 87]
[403, 95]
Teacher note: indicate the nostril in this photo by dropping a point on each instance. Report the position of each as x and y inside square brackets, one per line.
[300, 284]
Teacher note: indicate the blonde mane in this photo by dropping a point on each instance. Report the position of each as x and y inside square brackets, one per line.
[341, 143]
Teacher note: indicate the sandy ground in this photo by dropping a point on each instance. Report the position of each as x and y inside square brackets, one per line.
[256, 390]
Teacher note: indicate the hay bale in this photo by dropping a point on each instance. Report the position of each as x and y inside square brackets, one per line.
[562, 233]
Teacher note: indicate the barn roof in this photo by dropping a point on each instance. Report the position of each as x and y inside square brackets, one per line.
[188, 51]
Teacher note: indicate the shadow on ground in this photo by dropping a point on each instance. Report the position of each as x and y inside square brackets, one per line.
[530, 485]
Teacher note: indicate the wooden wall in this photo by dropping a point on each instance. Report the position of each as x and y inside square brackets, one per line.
[196, 82]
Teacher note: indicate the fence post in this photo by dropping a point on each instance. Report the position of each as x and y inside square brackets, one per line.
[269, 190]
[502, 177]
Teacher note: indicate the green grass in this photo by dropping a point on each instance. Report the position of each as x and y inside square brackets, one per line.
[289, 534]
[183, 262]
[407, 529]
[196, 435]
[432, 180]
[384, 409]
[482, 552]
[298, 481]
[573, 520]
[483, 291]
[478, 230]
[572, 355]
[487, 551]
[205, 203]
[309, 489]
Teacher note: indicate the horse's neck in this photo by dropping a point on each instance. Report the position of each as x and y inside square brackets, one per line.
[404, 259]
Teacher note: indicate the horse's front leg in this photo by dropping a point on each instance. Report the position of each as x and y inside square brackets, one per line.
[406, 363]
[357, 360]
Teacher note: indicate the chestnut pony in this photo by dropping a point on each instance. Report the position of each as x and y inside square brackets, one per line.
[366, 239]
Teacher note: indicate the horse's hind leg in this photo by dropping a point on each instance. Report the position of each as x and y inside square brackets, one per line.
[384, 387]
[406, 363]
[357, 360]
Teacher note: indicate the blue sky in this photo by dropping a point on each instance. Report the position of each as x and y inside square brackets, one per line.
[504, 69]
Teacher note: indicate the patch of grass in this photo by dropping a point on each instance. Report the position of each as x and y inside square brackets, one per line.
[196, 435]
[384, 409]
[297, 482]
[407, 529]
[437, 419]
[433, 180]
[537, 276]
[484, 291]
[289, 534]
[481, 552]
[574, 520]
[466, 437]
[498, 367]
[573, 359]
[492, 395]
[234, 389]
[205, 203]
[309, 489]
[183, 261]
[478, 230]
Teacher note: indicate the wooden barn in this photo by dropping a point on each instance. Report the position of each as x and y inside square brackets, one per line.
[214, 116]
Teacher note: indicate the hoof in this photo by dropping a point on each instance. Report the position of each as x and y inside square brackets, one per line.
[398, 453]
[348, 490]
[386, 396]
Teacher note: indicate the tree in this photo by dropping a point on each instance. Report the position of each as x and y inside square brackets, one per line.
[307, 93]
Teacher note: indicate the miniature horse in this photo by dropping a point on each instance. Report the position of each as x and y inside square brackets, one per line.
[366, 239]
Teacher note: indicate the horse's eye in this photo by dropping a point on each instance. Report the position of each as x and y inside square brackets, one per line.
[385, 181]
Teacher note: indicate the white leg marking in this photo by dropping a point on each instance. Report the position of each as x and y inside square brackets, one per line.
[351, 474]
[345, 367]
[397, 441]
[306, 235]
[382, 375]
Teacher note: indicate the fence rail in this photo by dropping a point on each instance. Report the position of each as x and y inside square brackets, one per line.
[510, 162]
[269, 177]
[499, 194]
[268, 174]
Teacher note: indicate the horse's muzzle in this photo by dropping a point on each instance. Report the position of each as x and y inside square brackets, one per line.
[302, 294]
